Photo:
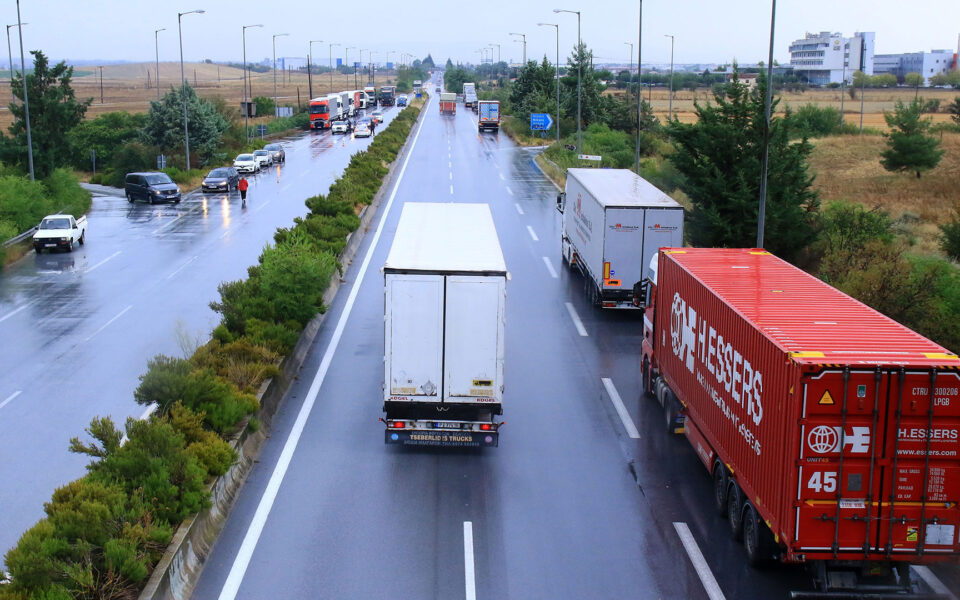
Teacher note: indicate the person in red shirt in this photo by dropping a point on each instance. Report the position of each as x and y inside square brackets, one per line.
[242, 186]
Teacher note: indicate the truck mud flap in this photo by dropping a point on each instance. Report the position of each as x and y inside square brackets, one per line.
[459, 439]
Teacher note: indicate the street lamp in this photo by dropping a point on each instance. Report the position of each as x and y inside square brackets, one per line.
[524, 45]
[183, 83]
[498, 51]
[9, 53]
[630, 71]
[246, 105]
[331, 66]
[310, 66]
[670, 118]
[556, 75]
[579, 99]
[636, 162]
[761, 217]
[275, 36]
[156, 45]
[26, 99]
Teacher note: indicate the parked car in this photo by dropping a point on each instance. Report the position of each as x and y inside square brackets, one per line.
[340, 127]
[401, 100]
[263, 158]
[277, 153]
[246, 163]
[362, 129]
[377, 116]
[152, 187]
[222, 179]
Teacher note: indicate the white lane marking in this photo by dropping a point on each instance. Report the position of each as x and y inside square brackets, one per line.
[449, 165]
[621, 409]
[519, 209]
[699, 563]
[103, 261]
[167, 224]
[263, 206]
[224, 234]
[107, 324]
[16, 310]
[532, 233]
[553, 272]
[232, 584]
[927, 575]
[448, 156]
[470, 577]
[286, 187]
[143, 417]
[502, 178]
[509, 191]
[451, 175]
[183, 266]
[451, 190]
[10, 398]
[576, 320]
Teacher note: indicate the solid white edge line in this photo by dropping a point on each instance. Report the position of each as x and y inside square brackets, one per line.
[930, 579]
[10, 398]
[621, 409]
[519, 208]
[16, 310]
[183, 266]
[102, 261]
[470, 577]
[699, 563]
[533, 234]
[553, 272]
[232, 584]
[107, 324]
[576, 319]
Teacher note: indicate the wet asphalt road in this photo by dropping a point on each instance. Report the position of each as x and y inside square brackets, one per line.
[569, 506]
[77, 329]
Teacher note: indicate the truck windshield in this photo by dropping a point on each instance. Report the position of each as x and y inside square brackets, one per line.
[319, 109]
[55, 224]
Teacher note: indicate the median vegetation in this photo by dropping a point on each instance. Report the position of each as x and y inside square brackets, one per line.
[104, 533]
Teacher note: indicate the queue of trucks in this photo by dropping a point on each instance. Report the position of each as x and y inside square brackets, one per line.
[326, 110]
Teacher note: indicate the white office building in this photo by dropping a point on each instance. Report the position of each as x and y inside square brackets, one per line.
[826, 57]
[928, 64]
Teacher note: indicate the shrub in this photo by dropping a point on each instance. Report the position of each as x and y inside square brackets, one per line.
[130, 158]
[279, 337]
[242, 363]
[264, 106]
[213, 453]
[293, 278]
[950, 235]
[164, 383]
[811, 120]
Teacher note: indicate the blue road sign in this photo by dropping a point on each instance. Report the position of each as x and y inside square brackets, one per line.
[540, 121]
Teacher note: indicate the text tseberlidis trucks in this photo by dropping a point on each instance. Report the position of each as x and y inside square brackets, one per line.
[613, 223]
[831, 431]
[444, 314]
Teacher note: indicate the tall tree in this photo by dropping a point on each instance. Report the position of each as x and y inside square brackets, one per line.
[164, 126]
[54, 111]
[909, 148]
[589, 83]
[915, 80]
[720, 157]
[954, 109]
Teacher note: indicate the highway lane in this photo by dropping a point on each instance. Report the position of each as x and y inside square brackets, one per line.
[78, 328]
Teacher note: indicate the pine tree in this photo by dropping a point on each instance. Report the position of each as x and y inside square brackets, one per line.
[720, 157]
[909, 146]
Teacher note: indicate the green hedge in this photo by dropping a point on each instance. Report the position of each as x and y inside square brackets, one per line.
[104, 533]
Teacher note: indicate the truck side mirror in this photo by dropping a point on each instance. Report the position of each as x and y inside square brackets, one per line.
[641, 293]
[561, 202]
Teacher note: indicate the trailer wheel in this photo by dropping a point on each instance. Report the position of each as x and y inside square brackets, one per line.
[757, 538]
[735, 510]
[671, 410]
[658, 388]
[645, 370]
[720, 483]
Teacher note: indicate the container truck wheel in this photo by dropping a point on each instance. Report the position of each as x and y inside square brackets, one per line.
[645, 370]
[671, 410]
[757, 538]
[720, 483]
[735, 510]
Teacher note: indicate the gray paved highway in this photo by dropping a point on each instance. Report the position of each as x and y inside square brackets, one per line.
[78, 328]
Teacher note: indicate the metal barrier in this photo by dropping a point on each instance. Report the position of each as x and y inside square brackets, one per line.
[20, 237]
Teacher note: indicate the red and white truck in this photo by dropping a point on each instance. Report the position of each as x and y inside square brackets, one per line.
[448, 103]
[832, 432]
[320, 117]
[488, 115]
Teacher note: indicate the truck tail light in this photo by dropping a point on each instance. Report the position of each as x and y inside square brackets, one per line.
[486, 427]
[608, 304]
[397, 424]
[606, 270]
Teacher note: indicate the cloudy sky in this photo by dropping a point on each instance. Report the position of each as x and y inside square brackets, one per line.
[706, 31]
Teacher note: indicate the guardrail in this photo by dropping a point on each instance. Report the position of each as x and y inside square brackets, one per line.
[20, 237]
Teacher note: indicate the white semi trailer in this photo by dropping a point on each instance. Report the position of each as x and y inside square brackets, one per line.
[444, 313]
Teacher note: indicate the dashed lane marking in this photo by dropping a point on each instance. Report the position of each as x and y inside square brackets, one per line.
[553, 272]
[576, 320]
[532, 233]
[621, 409]
[10, 398]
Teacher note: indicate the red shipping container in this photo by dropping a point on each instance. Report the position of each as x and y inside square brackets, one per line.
[839, 424]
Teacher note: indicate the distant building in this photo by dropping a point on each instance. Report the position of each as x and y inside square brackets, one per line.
[928, 64]
[823, 58]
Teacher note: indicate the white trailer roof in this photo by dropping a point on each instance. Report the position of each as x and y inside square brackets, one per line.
[621, 187]
[446, 237]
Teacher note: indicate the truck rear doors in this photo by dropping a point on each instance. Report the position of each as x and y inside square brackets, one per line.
[473, 339]
[414, 337]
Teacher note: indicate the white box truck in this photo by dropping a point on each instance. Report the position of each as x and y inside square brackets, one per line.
[444, 314]
[614, 221]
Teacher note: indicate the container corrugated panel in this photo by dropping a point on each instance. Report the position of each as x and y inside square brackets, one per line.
[840, 424]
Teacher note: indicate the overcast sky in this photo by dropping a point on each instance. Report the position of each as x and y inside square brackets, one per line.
[706, 31]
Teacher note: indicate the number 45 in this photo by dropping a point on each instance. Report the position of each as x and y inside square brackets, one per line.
[823, 481]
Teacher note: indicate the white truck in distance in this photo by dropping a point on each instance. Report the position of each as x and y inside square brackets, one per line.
[614, 222]
[444, 313]
[60, 231]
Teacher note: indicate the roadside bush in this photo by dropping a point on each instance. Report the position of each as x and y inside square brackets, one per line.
[65, 193]
[105, 134]
[279, 337]
[212, 452]
[164, 383]
[183, 177]
[22, 202]
[950, 235]
[811, 120]
[293, 277]
[264, 106]
[239, 361]
[129, 158]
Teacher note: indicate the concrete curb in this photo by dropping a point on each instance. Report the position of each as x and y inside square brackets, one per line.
[178, 571]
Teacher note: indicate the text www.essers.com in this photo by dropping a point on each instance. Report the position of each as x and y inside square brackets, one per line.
[921, 452]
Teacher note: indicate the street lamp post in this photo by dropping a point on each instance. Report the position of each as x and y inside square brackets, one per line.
[9, 53]
[556, 74]
[524, 37]
[275, 36]
[331, 66]
[101, 84]
[310, 60]
[579, 69]
[764, 171]
[671, 75]
[26, 99]
[246, 105]
[630, 70]
[498, 52]
[636, 162]
[156, 46]
[183, 84]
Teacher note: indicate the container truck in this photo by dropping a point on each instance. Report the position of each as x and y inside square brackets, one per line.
[387, 93]
[346, 104]
[320, 113]
[830, 430]
[615, 222]
[448, 103]
[371, 93]
[469, 94]
[488, 115]
[445, 292]
[359, 100]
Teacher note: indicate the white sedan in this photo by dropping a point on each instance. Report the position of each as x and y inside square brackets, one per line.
[339, 127]
[362, 130]
[246, 163]
[263, 158]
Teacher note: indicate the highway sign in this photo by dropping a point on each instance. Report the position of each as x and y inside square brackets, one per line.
[540, 121]
[161, 161]
[595, 157]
